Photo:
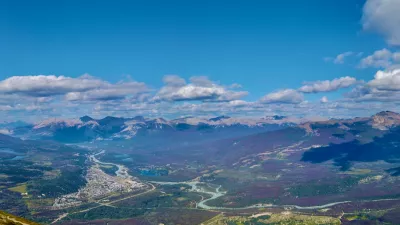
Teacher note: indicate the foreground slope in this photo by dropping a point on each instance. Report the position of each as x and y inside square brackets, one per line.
[33, 173]
[8, 219]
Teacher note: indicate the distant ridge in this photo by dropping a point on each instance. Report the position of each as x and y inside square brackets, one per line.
[219, 118]
[87, 128]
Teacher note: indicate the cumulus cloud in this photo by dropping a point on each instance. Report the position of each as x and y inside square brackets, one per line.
[84, 88]
[44, 99]
[235, 85]
[174, 80]
[25, 107]
[369, 94]
[196, 96]
[324, 99]
[286, 96]
[383, 17]
[48, 85]
[109, 92]
[5, 108]
[199, 88]
[396, 57]
[385, 87]
[6, 132]
[328, 85]
[386, 80]
[341, 57]
[380, 59]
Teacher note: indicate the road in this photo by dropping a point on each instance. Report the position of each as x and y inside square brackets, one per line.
[104, 204]
[124, 175]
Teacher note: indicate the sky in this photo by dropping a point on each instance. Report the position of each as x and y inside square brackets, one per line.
[332, 58]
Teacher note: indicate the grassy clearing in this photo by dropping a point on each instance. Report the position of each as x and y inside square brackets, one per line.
[40, 203]
[20, 188]
[214, 220]
[357, 172]
[289, 218]
[285, 218]
[52, 174]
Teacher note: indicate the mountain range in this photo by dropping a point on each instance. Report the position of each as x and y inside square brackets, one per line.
[87, 128]
[248, 157]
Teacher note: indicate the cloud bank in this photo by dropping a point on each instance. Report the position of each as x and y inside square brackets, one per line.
[53, 96]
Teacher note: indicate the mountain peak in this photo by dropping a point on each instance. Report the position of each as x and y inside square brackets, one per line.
[387, 113]
[385, 120]
[275, 117]
[55, 122]
[219, 118]
[86, 119]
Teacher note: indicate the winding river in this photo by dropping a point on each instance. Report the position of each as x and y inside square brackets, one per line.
[122, 170]
[195, 187]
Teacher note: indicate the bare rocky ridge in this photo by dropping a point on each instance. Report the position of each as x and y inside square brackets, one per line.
[381, 121]
[385, 120]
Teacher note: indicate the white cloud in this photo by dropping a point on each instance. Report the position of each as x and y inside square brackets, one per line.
[235, 85]
[380, 59]
[383, 17]
[110, 92]
[373, 95]
[84, 88]
[5, 108]
[174, 80]
[324, 99]
[386, 80]
[383, 88]
[341, 57]
[134, 98]
[6, 132]
[199, 88]
[396, 57]
[44, 99]
[48, 85]
[289, 96]
[328, 85]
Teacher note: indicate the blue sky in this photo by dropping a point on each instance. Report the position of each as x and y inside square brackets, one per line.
[265, 46]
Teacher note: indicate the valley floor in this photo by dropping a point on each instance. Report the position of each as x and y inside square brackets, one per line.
[330, 213]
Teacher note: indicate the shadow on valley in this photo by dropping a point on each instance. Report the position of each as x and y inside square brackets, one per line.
[394, 171]
[385, 148]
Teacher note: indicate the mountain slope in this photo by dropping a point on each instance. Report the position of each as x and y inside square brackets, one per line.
[342, 140]
[37, 169]
[8, 219]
